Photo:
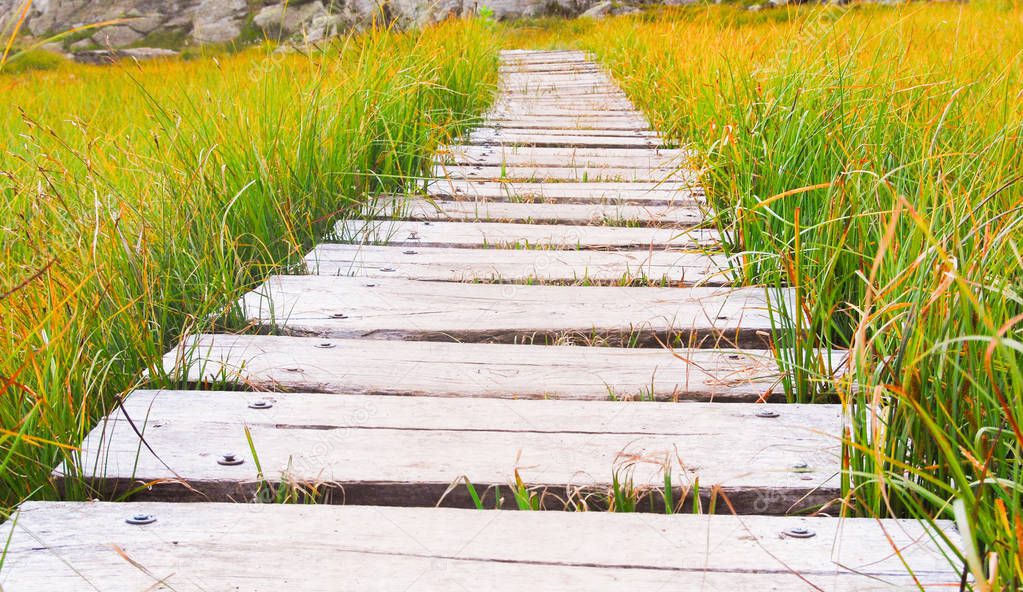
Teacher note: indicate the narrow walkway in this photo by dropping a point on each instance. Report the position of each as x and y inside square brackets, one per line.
[549, 317]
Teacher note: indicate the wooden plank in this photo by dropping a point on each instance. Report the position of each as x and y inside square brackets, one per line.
[519, 265]
[549, 67]
[514, 191]
[409, 450]
[630, 124]
[487, 132]
[533, 236]
[521, 156]
[349, 307]
[683, 215]
[587, 102]
[625, 154]
[72, 546]
[554, 138]
[563, 92]
[560, 173]
[469, 370]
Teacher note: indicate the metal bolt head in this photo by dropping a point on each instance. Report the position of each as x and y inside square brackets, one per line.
[140, 518]
[325, 345]
[339, 315]
[767, 413]
[801, 467]
[410, 252]
[230, 459]
[798, 532]
[387, 269]
[260, 404]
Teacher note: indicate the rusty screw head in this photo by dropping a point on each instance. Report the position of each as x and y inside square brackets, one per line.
[141, 518]
[798, 532]
[260, 404]
[230, 459]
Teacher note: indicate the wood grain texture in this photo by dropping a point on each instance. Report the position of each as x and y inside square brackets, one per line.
[623, 193]
[519, 265]
[521, 156]
[467, 370]
[510, 235]
[558, 138]
[349, 307]
[61, 547]
[559, 173]
[398, 207]
[408, 451]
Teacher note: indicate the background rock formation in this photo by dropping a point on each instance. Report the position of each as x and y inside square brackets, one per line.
[165, 23]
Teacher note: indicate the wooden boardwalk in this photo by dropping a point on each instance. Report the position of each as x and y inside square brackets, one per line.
[552, 318]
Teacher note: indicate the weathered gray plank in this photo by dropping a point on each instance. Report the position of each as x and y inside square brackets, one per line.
[606, 192]
[408, 451]
[349, 307]
[60, 547]
[484, 133]
[626, 154]
[538, 173]
[467, 370]
[519, 265]
[549, 67]
[555, 138]
[507, 235]
[577, 102]
[577, 124]
[640, 158]
[688, 214]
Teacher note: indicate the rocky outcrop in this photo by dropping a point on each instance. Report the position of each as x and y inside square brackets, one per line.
[142, 22]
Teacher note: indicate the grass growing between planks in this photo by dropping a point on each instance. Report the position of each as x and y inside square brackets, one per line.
[871, 158]
[138, 202]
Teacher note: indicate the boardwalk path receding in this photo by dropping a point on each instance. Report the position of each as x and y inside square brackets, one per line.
[506, 325]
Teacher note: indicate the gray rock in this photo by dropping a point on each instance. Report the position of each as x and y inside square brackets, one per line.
[281, 19]
[116, 36]
[81, 45]
[325, 26]
[109, 56]
[148, 53]
[218, 21]
[145, 23]
[599, 10]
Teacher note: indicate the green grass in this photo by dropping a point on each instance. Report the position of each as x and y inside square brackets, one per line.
[137, 203]
[870, 158]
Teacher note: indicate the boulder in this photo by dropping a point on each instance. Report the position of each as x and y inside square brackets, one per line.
[81, 45]
[325, 26]
[602, 9]
[218, 21]
[116, 36]
[599, 10]
[288, 19]
[108, 56]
